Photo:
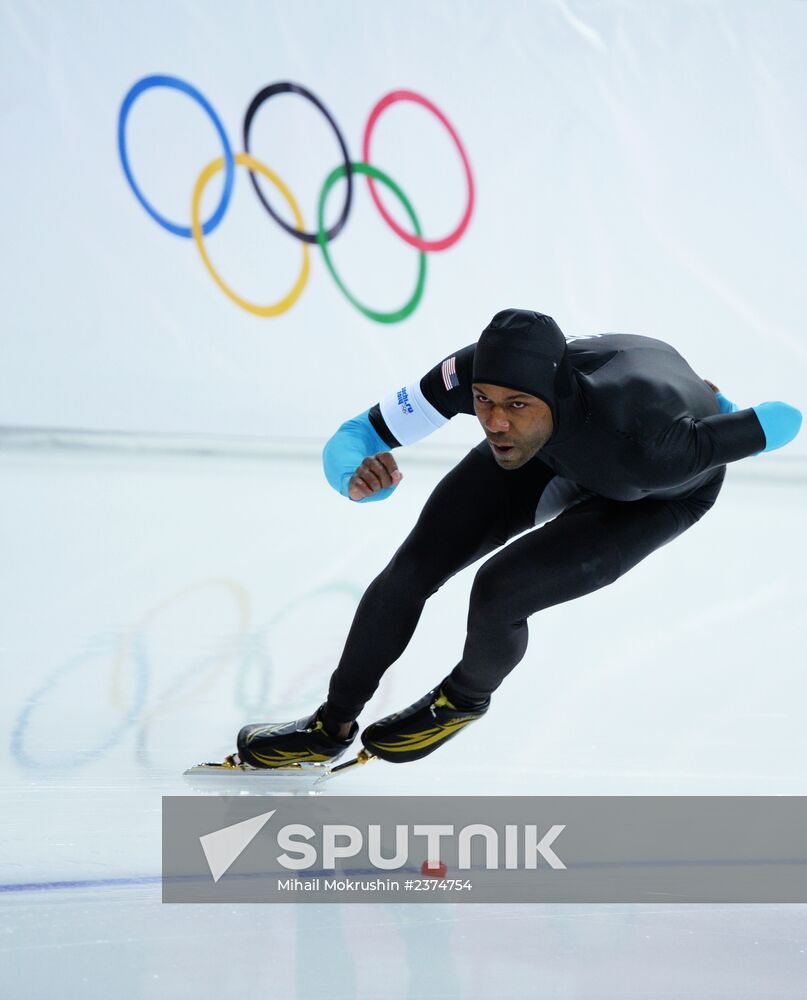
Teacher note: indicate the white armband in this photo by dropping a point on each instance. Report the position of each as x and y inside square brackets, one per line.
[409, 415]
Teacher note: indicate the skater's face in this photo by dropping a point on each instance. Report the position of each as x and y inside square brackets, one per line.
[516, 424]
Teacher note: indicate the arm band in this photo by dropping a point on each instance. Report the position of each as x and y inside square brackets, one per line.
[409, 415]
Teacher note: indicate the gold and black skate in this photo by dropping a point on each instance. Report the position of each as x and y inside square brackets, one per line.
[419, 729]
[286, 744]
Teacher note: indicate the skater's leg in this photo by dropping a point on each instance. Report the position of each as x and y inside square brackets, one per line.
[585, 548]
[475, 508]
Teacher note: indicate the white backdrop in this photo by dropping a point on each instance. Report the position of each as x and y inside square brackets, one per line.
[639, 167]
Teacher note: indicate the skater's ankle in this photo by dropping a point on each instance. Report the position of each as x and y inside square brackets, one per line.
[335, 728]
[341, 731]
[463, 700]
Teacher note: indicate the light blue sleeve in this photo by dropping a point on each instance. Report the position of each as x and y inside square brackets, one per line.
[781, 422]
[347, 449]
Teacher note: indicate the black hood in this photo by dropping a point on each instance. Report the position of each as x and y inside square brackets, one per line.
[525, 350]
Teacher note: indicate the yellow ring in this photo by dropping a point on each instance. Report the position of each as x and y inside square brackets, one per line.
[241, 598]
[245, 160]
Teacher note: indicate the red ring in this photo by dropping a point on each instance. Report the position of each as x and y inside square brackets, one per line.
[416, 241]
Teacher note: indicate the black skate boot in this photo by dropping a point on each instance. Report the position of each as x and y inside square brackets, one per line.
[419, 729]
[287, 744]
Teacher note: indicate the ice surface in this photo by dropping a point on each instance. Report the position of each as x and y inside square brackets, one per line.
[154, 603]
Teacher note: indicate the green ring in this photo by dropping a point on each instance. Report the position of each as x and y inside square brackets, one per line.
[322, 239]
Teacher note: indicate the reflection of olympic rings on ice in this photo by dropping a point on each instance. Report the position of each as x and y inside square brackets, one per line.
[127, 676]
[322, 236]
[132, 648]
[24, 755]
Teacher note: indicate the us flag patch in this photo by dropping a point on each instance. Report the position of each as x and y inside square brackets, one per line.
[449, 370]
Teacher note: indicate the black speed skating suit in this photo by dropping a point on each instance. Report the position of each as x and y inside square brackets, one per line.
[637, 456]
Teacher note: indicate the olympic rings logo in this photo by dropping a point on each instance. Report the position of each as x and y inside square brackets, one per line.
[197, 229]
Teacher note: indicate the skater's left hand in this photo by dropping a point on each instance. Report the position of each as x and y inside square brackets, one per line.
[726, 405]
[780, 421]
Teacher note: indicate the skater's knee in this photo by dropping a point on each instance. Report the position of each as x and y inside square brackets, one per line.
[491, 596]
[414, 572]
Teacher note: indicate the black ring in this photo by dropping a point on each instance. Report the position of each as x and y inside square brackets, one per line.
[284, 87]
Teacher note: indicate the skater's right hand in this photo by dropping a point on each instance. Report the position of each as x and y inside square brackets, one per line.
[377, 472]
[358, 464]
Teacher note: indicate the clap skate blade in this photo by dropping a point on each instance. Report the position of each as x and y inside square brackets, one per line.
[291, 779]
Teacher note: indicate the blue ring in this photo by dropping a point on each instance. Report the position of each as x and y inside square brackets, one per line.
[81, 757]
[175, 83]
